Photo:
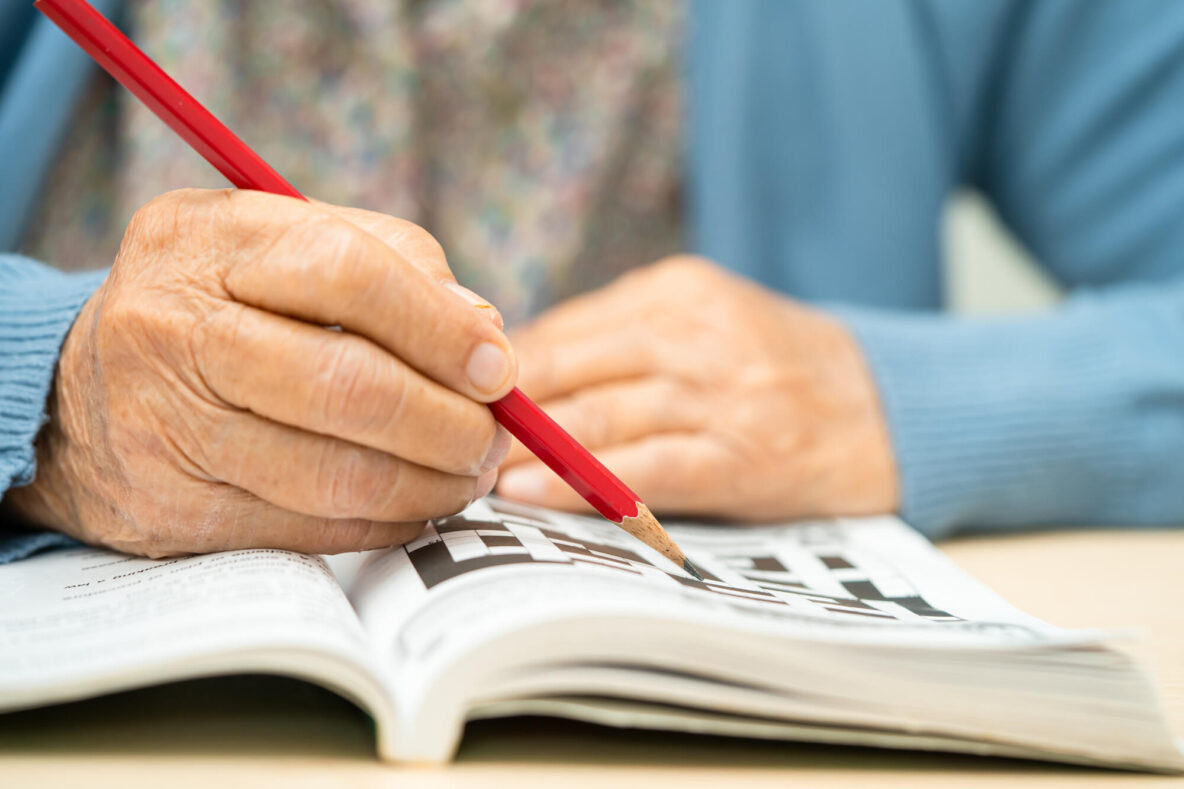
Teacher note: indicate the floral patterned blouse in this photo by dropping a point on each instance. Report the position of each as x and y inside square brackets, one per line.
[539, 140]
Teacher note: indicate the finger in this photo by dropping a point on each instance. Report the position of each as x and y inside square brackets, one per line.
[313, 265]
[587, 313]
[339, 384]
[478, 301]
[663, 290]
[419, 247]
[674, 473]
[621, 413]
[242, 520]
[327, 477]
[550, 369]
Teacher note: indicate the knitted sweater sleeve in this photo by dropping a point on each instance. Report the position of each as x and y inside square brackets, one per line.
[38, 306]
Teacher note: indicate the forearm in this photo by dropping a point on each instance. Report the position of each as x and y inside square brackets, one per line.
[1075, 417]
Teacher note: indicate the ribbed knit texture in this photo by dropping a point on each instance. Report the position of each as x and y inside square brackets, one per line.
[824, 144]
[22, 544]
[1073, 418]
[38, 305]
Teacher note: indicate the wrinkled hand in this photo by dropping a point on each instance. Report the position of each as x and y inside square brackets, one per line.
[708, 396]
[201, 403]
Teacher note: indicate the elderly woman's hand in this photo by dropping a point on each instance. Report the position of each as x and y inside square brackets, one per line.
[202, 403]
[709, 396]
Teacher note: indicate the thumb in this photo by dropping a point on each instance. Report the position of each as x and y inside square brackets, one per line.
[418, 247]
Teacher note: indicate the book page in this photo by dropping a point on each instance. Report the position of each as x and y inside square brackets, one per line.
[78, 619]
[501, 565]
[859, 623]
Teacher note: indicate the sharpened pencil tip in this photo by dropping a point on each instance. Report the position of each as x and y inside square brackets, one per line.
[692, 569]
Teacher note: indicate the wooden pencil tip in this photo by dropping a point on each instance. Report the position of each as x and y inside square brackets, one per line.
[645, 527]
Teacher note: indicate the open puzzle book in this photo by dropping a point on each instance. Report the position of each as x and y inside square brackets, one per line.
[854, 631]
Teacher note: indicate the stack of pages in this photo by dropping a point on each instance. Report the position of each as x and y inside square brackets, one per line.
[850, 631]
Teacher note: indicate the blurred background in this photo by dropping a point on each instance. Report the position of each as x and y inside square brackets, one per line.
[988, 272]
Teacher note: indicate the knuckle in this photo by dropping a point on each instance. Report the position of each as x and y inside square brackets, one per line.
[161, 217]
[483, 430]
[349, 385]
[472, 433]
[591, 421]
[144, 229]
[451, 497]
[442, 430]
[352, 534]
[332, 249]
[413, 239]
[694, 263]
[687, 268]
[341, 247]
[538, 377]
[433, 496]
[674, 465]
[347, 534]
[118, 314]
[165, 204]
[217, 333]
[421, 494]
[665, 398]
[133, 330]
[406, 238]
[413, 243]
[349, 484]
[406, 532]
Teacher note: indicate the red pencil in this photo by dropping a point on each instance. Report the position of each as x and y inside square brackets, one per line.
[246, 170]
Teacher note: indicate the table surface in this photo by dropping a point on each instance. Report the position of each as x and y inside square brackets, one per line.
[250, 731]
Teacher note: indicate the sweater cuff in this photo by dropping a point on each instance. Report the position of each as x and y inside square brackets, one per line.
[14, 547]
[1001, 423]
[38, 306]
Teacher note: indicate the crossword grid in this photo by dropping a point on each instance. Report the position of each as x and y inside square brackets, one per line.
[814, 575]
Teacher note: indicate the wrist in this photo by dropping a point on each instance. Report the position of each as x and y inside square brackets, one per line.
[48, 501]
[44, 501]
[860, 454]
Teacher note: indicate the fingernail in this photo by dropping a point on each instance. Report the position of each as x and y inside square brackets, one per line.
[472, 298]
[498, 450]
[467, 295]
[488, 367]
[525, 485]
[484, 485]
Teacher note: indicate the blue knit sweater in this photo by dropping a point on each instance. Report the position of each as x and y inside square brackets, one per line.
[825, 137]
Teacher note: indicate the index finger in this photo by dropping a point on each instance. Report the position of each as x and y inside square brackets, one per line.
[310, 264]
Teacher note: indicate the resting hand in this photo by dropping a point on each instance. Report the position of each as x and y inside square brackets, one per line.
[708, 396]
[202, 404]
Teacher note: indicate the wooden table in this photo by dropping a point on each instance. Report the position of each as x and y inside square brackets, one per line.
[256, 731]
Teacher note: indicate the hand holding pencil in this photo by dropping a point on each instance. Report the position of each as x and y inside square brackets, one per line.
[200, 406]
[355, 283]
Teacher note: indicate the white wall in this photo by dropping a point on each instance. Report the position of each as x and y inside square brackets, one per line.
[988, 271]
